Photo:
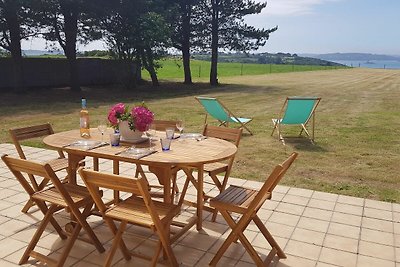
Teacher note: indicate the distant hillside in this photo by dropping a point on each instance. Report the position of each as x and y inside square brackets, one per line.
[31, 52]
[352, 56]
[267, 58]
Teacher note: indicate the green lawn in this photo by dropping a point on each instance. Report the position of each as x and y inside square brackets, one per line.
[173, 69]
[357, 129]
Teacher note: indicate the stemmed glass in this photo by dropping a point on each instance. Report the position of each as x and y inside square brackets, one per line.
[180, 126]
[151, 134]
[102, 127]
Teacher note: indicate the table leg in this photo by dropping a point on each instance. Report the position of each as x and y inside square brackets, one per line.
[164, 175]
[200, 198]
[73, 162]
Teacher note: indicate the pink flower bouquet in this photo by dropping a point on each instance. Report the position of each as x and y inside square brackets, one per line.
[139, 118]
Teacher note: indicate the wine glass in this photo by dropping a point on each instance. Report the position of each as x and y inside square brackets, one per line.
[180, 125]
[102, 127]
[151, 134]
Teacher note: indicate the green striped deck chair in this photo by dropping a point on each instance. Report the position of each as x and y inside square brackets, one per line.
[218, 111]
[297, 111]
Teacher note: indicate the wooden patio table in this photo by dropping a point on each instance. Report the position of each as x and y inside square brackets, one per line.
[184, 152]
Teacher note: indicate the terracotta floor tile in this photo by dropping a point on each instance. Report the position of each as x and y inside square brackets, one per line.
[313, 224]
[377, 250]
[325, 196]
[308, 236]
[377, 224]
[321, 204]
[375, 236]
[349, 209]
[317, 214]
[298, 200]
[378, 214]
[348, 219]
[294, 261]
[365, 261]
[341, 243]
[300, 192]
[290, 208]
[301, 249]
[284, 218]
[380, 205]
[344, 230]
[351, 200]
[338, 257]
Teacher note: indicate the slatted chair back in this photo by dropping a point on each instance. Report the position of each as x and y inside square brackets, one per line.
[24, 133]
[229, 134]
[161, 125]
[132, 210]
[271, 182]
[59, 196]
[95, 180]
[17, 167]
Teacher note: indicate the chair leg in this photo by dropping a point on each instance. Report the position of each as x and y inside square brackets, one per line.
[166, 244]
[269, 237]
[121, 244]
[117, 242]
[69, 245]
[89, 231]
[35, 239]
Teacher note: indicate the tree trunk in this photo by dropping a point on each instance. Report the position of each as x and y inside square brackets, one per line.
[214, 43]
[147, 60]
[11, 16]
[70, 12]
[186, 13]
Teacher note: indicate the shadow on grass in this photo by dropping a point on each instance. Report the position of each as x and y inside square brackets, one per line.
[304, 144]
[64, 101]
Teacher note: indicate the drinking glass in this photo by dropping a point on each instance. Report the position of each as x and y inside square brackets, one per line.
[102, 129]
[180, 126]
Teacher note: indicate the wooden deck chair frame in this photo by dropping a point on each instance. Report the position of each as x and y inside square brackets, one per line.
[217, 168]
[57, 164]
[50, 200]
[247, 202]
[290, 114]
[139, 209]
[219, 111]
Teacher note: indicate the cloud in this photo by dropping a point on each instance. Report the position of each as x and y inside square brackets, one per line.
[292, 7]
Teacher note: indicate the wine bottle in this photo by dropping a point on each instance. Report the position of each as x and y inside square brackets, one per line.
[84, 120]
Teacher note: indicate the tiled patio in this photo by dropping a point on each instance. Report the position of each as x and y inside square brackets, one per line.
[313, 228]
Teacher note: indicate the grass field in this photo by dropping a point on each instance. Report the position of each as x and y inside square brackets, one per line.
[357, 133]
[173, 69]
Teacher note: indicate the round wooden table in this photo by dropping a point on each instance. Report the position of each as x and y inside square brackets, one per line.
[184, 152]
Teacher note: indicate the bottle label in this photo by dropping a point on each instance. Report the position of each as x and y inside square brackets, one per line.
[83, 123]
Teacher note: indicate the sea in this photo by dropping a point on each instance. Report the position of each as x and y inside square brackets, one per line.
[373, 64]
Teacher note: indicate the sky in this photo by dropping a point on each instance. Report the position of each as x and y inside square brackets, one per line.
[318, 26]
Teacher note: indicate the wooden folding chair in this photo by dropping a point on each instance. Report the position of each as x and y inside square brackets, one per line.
[50, 200]
[57, 164]
[246, 202]
[139, 209]
[217, 168]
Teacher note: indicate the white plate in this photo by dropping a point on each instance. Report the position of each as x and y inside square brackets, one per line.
[191, 135]
[86, 143]
[136, 141]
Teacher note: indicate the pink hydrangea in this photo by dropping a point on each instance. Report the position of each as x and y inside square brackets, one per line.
[142, 117]
[139, 118]
[115, 113]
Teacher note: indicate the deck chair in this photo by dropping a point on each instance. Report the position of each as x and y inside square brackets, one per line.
[297, 111]
[50, 200]
[139, 209]
[57, 164]
[217, 168]
[246, 202]
[220, 112]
